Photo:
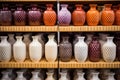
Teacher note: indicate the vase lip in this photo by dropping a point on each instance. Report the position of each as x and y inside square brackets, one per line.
[93, 5]
[108, 5]
[64, 5]
[3, 37]
[110, 37]
[78, 5]
[81, 37]
[49, 5]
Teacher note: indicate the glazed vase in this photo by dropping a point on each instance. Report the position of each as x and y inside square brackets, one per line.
[19, 50]
[63, 76]
[65, 49]
[93, 20]
[107, 15]
[80, 76]
[19, 16]
[89, 38]
[34, 16]
[94, 50]
[35, 75]
[111, 76]
[5, 76]
[50, 76]
[81, 50]
[95, 76]
[109, 50]
[78, 16]
[117, 16]
[49, 16]
[20, 75]
[64, 15]
[51, 49]
[5, 50]
[35, 49]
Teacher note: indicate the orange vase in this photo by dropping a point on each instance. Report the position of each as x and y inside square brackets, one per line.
[117, 15]
[93, 15]
[49, 16]
[78, 16]
[107, 15]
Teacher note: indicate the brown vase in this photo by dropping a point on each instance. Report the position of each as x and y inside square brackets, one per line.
[107, 15]
[78, 16]
[94, 50]
[93, 15]
[117, 15]
[49, 16]
[65, 50]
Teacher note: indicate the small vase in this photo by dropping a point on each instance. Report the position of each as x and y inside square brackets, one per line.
[51, 49]
[111, 76]
[107, 15]
[49, 76]
[109, 50]
[78, 16]
[35, 49]
[117, 16]
[5, 76]
[89, 38]
[65, 50]
[63, 76]
[20, 75]
[81, 50]
[19, 50]
[35, 76]
[93, 20]
[5, 50]
[49, 16]
[95, 76]
[64, 15]
[80, 76]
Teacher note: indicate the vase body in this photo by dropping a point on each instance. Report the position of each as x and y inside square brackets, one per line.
[62, 18]
[20, 76]
[78, 16]
[89, 38]
[63, 76]
[5, 50]
[80, 76]
[95, 76]
[51, 49]
[5, 76]
[19, 50]
[50, 76]
[34, 16]
[109, 50]
[19, 16]
[93, 20]
[35, 76]
[111, 76]
[35, 50]
[117, 16]
[81, 50]
[107, 15]
[65, 50]
[49, 16]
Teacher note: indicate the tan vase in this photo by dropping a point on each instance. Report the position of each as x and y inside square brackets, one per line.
[49, 16]
[107, 15]
[93, 15]
[117, 16]
[78, 16]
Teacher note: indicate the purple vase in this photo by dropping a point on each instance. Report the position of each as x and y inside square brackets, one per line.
[64, 15]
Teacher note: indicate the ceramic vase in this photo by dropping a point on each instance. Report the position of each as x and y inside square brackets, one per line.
[78, 16]
[93, 20]
[5, 76]
[111, 76]
[81, 50]
[20, 75]
[107, 15]
[19, 50]
[35, 75]
[63, 76]
[117, 16]
[49, 16]
[80, 76]
[5, 50]
[95, 76]
[51, 49]
[49, 76]
[35, 50]
[62, 18]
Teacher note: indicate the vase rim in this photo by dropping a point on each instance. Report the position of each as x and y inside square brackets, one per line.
[50, 5]
[64, 5]
[92, 4]
[78, 5]
[3, 36]
[19, 36]
[108, 5]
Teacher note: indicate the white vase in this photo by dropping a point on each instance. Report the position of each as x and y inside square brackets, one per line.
[50, 76]
[63, 76]
[35, 49]
[5, 76]
[81, 50]
[5, 49]
[80, 76]
[20, 75]
[111, 76]
[19, 50]
[35, 76]
[109, 50]
[95, 76]
[51, 49]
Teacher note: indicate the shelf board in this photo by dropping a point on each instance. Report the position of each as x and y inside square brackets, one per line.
[85, 0]
[27, 0]
[28, 28]
[88, 28]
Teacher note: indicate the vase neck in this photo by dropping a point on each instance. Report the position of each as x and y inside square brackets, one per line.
[110, 39]
[65, 39]
[19, 38]
[51, 37]
[93, 6]
[11, 36]
[81, 39]
[49, 7]
[79, 7]
[50, 74]
[3, 39]
[35, 74]
[95, 74]
[108, 6]
[35, 38]
[80, 74]
[64, 6]
[63, 74]
[89, 37]
[5, 74]
[20, 74]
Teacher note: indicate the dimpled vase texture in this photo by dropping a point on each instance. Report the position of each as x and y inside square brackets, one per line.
[117, 16]
[78, 16]
[93, 15]
[49, 16]
[64, 15]
[107, 15]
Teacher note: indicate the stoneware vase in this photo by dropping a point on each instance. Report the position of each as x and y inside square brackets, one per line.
[20, 75]
[95, 76]
[63, 76]
[35, 49]
[64, 15]
[117, 15]
[111, 76]
[109, 50]
[93, 20]
[49, 16]
[50, 76]
[78, 15]
[5, 50]
[19, 50]
[35, 75]
[51, 49]
[5, 76]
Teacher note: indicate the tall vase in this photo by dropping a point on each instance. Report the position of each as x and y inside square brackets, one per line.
[19, 50]
[35, 75]
[107, 15]
[20, 75]
[51, 49]
[63, 76]
[49, 16]
[81, 50]
[93, 20]
[109, 50]
[5, 49]
[111, 76]
[49, 76]
[35, 49]
[78, 16]
[95, 76]
[117, 16]
[65, 49]
[5, 76]
[80, 76]
[64, 15]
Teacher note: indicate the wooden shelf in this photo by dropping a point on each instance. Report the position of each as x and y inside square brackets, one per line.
[27, 0]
